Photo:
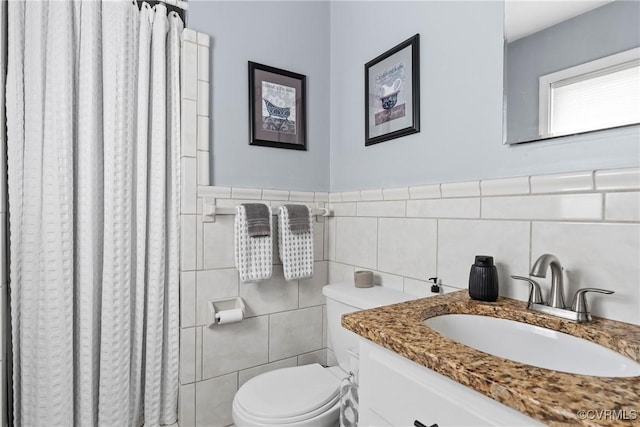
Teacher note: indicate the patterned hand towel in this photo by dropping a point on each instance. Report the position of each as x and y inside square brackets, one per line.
[296, 250]
[253, 255]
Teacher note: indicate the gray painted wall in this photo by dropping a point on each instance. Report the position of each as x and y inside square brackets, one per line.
[609, 29]
[461, 95]
[461, 90]
[288, 35]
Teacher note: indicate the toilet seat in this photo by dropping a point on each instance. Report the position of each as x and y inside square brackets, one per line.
[275, 397]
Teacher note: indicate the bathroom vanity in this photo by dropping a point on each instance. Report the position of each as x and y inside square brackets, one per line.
[395, 391]
[409, 372]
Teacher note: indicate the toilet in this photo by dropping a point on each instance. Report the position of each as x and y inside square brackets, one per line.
[309, 395]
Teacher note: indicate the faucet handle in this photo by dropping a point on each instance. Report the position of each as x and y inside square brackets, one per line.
[579, 304]
[535, 296]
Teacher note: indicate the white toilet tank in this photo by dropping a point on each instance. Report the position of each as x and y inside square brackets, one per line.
[345, 298]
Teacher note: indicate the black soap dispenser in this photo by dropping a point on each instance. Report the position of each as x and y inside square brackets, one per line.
[483, 279]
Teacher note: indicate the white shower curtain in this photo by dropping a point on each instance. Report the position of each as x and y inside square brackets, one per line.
[93, 123]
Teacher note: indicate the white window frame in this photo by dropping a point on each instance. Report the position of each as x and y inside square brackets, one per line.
[625, 59]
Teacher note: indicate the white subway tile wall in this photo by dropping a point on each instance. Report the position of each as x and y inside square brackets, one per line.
[187, 355]
[343, 209]
[199, 354]
[321, 196]
[275, 194]
[593, 227]
[188, 242]
[187, 405]
[203, 98]
[214, 192]
[618, 179]
[189, 128]
[371, 195]
[356, 241]
[562, 183]
[189, 69]
[295, 332]
[188, 299]
[425, 191]
[203, 167]
[351, 196]
[339, 272]
[587, 207]
[270, 296]
[213, 400]
[199, 240]
[203, 39]
[622, 206]
[505, 186]
[246, 193]
[335, 197]
[188, 183]
[301, 196]
[229, 203]
[189, 35]
[246, 374]
[460, 189]
[406, 246]
[310, 289]
[218, 243]
[203, 133]
[444, 208]
[203, 63]
[394, 208]
[400, 193]
[284, 324]
[236, 346]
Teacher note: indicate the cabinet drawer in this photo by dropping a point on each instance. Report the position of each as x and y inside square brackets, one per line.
[401, 392]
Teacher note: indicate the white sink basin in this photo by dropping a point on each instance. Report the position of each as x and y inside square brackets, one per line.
[533, 345]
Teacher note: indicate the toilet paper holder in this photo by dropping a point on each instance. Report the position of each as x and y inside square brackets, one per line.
[223, 311]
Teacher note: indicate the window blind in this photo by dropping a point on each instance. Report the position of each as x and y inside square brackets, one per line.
[604, 99]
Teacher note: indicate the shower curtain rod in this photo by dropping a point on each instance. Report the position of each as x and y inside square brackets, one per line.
[178, 6]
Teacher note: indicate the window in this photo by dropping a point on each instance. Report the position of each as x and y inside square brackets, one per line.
[596, 95]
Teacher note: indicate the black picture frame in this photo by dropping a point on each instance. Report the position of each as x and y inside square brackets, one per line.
[391, 97]
[273, 94]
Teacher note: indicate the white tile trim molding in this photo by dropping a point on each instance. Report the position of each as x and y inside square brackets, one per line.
[574, 182]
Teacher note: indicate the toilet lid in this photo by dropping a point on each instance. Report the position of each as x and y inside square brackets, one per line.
[289, 392]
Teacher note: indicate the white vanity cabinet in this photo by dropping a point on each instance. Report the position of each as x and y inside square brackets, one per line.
[395, 391]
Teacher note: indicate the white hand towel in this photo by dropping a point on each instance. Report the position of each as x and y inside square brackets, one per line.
[253, 255]
[296, 250]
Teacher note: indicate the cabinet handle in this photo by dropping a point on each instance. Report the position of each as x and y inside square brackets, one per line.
[417, 423]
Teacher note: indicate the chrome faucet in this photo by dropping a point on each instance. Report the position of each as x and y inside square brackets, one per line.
[579, 311]
[539, 269]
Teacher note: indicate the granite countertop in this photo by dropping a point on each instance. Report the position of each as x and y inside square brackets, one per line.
[551, 397]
